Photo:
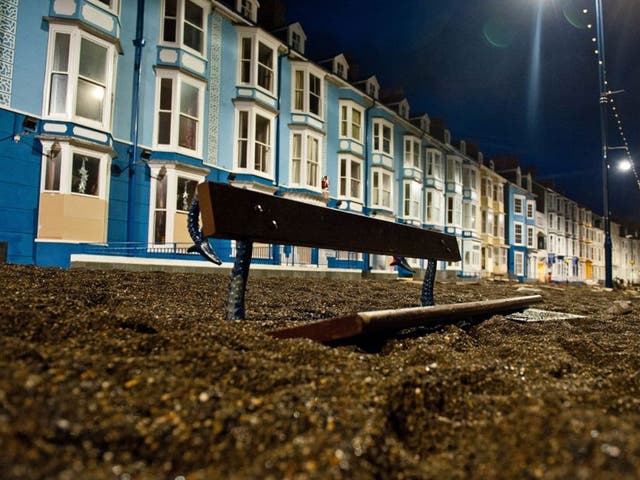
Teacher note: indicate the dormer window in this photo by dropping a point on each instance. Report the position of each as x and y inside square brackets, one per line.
[447, 137]
[296, 41]
[463, 147]
[340, 70]
[248, 9]
[341, 67]
[424, 123]
[296, 37]
[403, 109]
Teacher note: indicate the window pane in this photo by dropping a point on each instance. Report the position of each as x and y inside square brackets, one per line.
[61, 52]
[58, 98]
[52, 173]
[193, 14]
[166, 93]
[192, 37]
[185, 193]
[189, 100]
[187, 132]
[170, 9]
[356, 118]
[161, 193]
[299, 91]
[262, 129]
[160, 226]
[164, 128]
[343, 121]
[85, 174]
[93, 61]
[90, 100]
[169, 34]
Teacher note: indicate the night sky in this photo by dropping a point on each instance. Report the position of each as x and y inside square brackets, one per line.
[475, 64]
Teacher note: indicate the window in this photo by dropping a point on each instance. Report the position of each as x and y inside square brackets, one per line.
[305, 159]
[518, 202]
[382, 193]
[434, 164]
[171, 197]
[412, 153]
[307, 93]
[469, 179]
[517, 233]
[296, 42]
[110, 4]
[184, 25]
[382, 141]
[531, 208]
[434, 207]
[469, 216]
[179, 105]
[453, 211]
[372, 89]
[351, 121]
[486, 189]
[454, 169]
[80, 77]
[350, 178]
[500, 223]
[518, 261]
[412, 200]
[257, 63]
[254, 140]
[531, 235]
[68, 169]
[247, 9]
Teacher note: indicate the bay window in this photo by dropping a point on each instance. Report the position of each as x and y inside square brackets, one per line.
[351, 121]
[350, 178]
[306, 159]
[454, 169]
[180, 106]
[434, 207]
[434, 164]
[79, 77]
[412, 156]
[184, 24]
[254, 127]
[469, 216]
[382, 188]
[382, 136]
[307, 92]
[412, 196]
[454, 215]
[257, 61]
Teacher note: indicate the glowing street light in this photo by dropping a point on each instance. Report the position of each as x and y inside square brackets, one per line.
[624, 165]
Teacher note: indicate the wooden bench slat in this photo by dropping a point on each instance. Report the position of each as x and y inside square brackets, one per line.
[240, 214]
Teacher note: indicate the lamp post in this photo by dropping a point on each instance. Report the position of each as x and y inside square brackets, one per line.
[604, 99]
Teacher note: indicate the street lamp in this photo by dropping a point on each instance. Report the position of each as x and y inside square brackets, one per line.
[624, 165]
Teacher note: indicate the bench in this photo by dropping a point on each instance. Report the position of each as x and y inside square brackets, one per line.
[247, 216]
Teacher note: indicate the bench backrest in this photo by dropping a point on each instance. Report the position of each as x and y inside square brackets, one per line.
[241, 214]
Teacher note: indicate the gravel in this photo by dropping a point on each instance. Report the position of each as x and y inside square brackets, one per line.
[120, 375]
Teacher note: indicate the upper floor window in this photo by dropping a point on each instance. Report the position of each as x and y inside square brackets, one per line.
[531, 235]
[248, 9]
[296, 42]
[434, 164]
[412, 152]
[531, 208]
[469, 179]
[184, 24]
[79, 77]
[307, 92]
[257, 63]
[454, 214]
[470, 213]
[179, 103]
[434, 207]
[382, 188]
[351, 121]
[518, 204]
[382, 136]
[306, 159]
[350, 178]
[110, 4]
[454, 169]
[254, 140]
[517, 233]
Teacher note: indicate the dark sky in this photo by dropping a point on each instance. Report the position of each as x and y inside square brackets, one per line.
[475, 64]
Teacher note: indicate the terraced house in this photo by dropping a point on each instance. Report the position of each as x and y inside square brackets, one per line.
[116, 110]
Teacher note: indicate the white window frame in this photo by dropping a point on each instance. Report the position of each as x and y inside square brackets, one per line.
[412, 152]
[253, 110]
[454, 210]
[531, 209]
[178, 79]
[256, 38]
[531, 236]
[347, 121]
[454, 169]
[172, 172]
[307, 139]
[248, 9]
[112, 6]
[378, 133]
[433, 207]
[304, 91]
[518, 264]
[470, 178]
[180, 21]
[412, 200]
[518, 200]
[434, 164]
[66, 155]
[469, 216]
[379, 192]
[345, 187]
[518, 231]
[73, 75]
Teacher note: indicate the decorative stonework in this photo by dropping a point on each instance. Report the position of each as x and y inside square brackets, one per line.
[215, 61]
[8, 20]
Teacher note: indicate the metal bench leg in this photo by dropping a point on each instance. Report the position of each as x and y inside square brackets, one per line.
[426, 296]
[200, 242]
[238, 282]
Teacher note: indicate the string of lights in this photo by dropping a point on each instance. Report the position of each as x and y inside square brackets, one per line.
[617, 117]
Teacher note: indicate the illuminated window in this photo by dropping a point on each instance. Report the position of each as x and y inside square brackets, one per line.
[184, 24]
[351, 121]
[382, 188]
[382, 136]
[350, 178]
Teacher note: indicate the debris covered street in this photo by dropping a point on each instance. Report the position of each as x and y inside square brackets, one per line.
[135, 376]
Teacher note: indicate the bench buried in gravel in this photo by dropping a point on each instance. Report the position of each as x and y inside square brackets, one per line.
[247, 216]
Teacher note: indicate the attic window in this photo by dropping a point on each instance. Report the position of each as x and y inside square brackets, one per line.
[447, 137]
[424, 124]
[296, 42]
[372, 90]
[340, 70]
[248, 9]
